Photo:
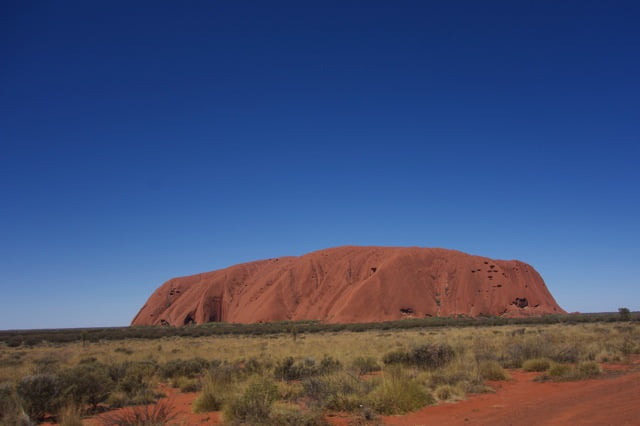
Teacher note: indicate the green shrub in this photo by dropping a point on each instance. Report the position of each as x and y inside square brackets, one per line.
[253, 366]
[87, 384]
[587, 369]
[40, 394]
[559, 371]
[429, 356]
[70, 415]
[446, 392]
[225, 372]
[253, 406]
[365, 365]
[582, 370]
[328, 364]
[443, 377]
[475, 385]
[337, 391]
[398, 394]
[397, 357]
[48, 364]
[187, 368]
[289, 369]
[566, 353]
[292, 415]
[432, 356]
[536, 364]
[133, 383]
[186, 385]
[10, 410]
[491, 370]
[212, 396]
[629, 347]
[522, 348]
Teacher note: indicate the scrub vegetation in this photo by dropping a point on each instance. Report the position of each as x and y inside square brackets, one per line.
[281, 378]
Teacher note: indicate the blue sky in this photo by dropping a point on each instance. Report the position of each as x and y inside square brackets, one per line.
[140, 142]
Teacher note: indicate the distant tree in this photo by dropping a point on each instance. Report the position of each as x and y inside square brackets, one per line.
[625, 314]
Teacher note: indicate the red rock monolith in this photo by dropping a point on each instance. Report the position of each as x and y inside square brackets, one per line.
[353, 284]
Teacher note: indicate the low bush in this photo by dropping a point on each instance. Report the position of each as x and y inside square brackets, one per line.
[48, 364]
[87, 384]
[587, 369]
[582, 370]
[40, 394]
[364, 365]
[398, 394]
[565, 354]
[559, 372]
[252, 406]
[212, 397]
[523, 348]
[289, 369]
[188, 368]
[161, 413]
[133, 383]
[11, 412]
[292, 415]
[537, 364]
[339, 391]
[491, 370]
[225, 372]
[70, 415]
[429, 356]
[185, 384]
[446, 393]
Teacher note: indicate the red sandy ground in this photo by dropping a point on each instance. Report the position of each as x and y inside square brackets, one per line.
[613, 399]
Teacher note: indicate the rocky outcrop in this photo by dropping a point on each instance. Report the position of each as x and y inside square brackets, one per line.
[352, 284]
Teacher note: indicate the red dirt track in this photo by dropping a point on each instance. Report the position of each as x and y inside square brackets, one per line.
[606, 401]
[352, 284]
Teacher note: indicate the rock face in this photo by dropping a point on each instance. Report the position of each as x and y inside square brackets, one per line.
[352, 284]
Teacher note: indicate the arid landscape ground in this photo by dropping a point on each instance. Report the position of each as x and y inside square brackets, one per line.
[501, 375]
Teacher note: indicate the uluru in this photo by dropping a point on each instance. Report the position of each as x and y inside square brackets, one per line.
[353, 284]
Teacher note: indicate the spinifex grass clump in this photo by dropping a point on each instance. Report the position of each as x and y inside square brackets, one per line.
[183, 367]
[339, 391]
[399, 393]
[491, 370]
[134, 383]
[160, 413]
[364, 365]
[289, 369]
[580, 371]
[429, 356]
[253, 405]
[537, 364]
[220, 383]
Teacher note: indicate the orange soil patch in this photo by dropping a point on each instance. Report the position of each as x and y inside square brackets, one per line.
[181, 402]
[614, 399]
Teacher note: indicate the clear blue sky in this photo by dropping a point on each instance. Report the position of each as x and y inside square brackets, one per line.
[141, 141]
